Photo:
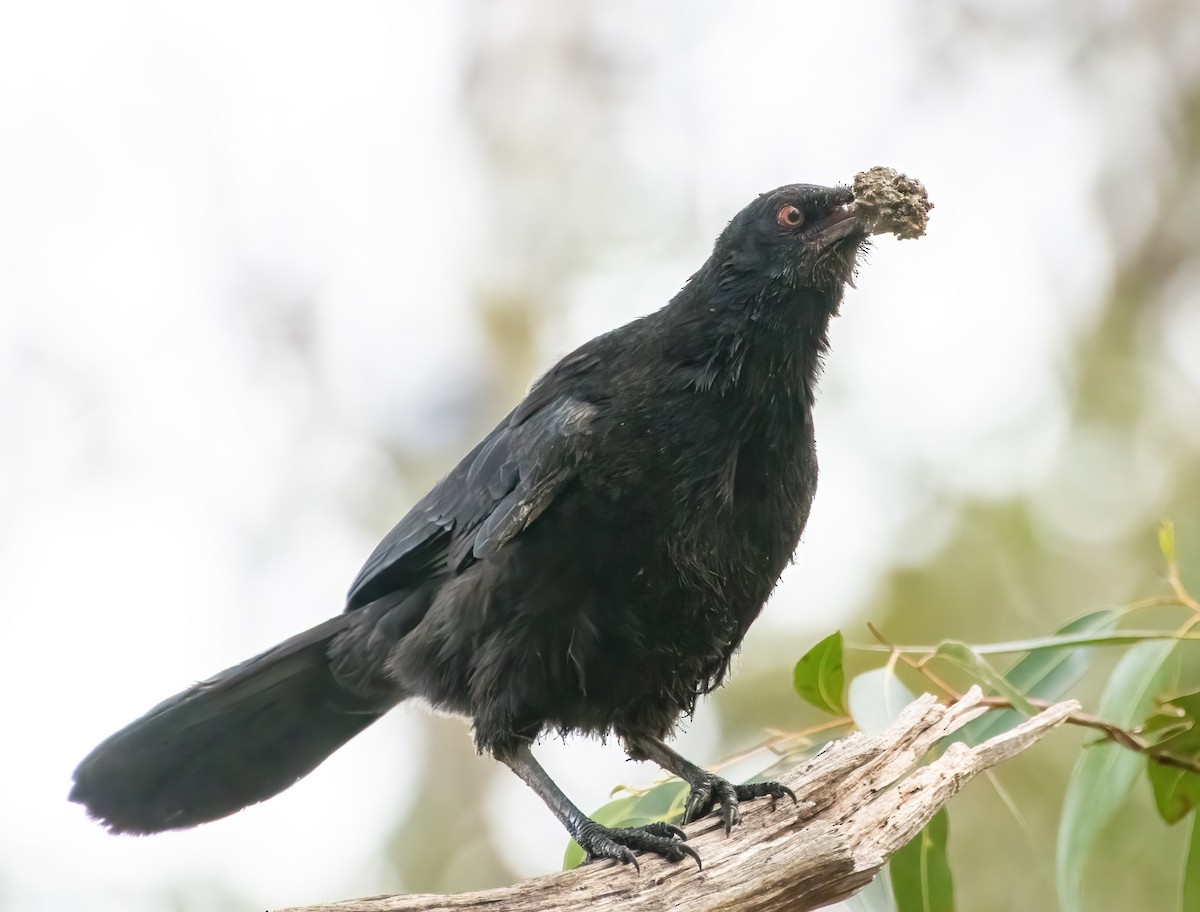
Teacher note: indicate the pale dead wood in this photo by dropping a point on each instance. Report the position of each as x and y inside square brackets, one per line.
[861, 799]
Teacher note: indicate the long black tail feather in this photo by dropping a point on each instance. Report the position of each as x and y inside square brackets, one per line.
[238, 738]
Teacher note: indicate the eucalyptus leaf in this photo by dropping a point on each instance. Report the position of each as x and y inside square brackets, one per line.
[1104, 774]
[1047, 674]
[662, 802]
[819, 678]
[978, 667]
[1189, 900]
[1176, 791]
[920, 871]
[877, 698]
[1174, 730]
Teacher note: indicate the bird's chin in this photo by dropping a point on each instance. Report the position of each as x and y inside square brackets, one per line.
[835, 243]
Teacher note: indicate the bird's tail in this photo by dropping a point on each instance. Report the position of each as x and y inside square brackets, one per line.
[231, 741]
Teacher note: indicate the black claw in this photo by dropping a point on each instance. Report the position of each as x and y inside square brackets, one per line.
[662, 828]
[627, 857]
[688, 850]
[712, 792]
[700, 801]
[730, 815]
[774, 790]
[619, 844]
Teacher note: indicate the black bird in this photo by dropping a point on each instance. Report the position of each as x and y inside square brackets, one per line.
[591, 566]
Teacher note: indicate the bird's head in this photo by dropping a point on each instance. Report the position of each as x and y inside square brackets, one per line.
[801, 236]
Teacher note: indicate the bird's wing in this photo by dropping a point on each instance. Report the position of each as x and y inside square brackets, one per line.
[497, 490]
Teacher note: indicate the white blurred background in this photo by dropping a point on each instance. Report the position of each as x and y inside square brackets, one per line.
[267, 269]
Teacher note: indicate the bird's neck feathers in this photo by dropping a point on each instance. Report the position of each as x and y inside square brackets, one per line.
[759, 339]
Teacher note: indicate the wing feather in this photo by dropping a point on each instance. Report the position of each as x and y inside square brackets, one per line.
[494, 494]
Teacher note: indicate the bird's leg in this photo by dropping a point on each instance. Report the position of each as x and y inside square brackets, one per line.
[708, 790]
[597, 841]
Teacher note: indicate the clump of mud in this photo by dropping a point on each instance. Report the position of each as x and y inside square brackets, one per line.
[888, 202]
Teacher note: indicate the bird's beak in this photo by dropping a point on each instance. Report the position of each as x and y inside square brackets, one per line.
[838, 224]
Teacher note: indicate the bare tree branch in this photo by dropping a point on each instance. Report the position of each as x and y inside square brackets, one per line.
[861, 799]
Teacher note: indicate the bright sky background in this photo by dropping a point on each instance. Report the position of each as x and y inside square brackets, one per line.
[174, 498]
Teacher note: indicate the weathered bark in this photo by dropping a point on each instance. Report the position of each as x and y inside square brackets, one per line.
[861, 799]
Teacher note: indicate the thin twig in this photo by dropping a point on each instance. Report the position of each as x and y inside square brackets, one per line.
[1115, 733]
[1158, 601]
[1181, 592]
[918, 666]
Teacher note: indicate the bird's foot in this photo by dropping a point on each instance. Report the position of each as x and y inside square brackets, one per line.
[619, 843]
[711, 791]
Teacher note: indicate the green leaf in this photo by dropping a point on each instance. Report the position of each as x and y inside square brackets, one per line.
[1176, 791]
[1104, 775]
[1190, 893]
[977, 666]
[818, 676]
[876, 699]
[664, 801]
[920, 872]
[1166, 725]
[1176, 722]
[1174, 730]
[1047, 674]
[573, 857]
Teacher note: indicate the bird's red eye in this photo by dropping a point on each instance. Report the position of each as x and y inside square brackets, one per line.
[789, 217]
